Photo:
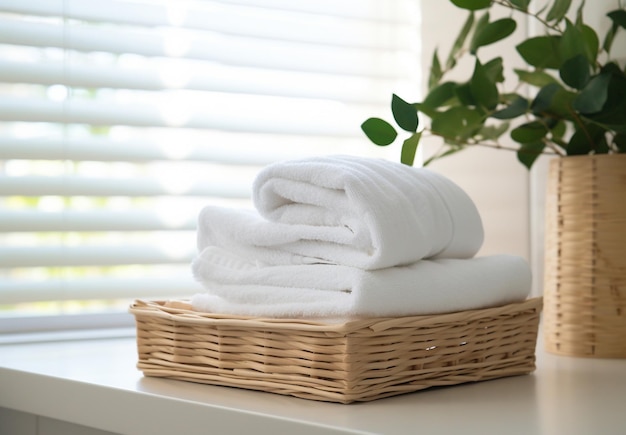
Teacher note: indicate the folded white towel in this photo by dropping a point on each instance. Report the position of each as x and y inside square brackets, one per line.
[353, 211]
[236, 285]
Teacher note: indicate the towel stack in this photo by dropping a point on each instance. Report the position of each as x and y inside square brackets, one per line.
[345, 236]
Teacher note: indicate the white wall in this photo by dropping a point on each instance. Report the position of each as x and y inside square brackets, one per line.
[495, 180]
[510, 198]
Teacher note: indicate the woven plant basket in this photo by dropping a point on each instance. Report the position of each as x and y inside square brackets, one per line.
[359, 360]
[585, 263]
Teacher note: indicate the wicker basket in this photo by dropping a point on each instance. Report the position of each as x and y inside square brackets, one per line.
[585, 275]
[355, 361]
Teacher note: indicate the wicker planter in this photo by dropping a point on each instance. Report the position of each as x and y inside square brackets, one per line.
[585, 275]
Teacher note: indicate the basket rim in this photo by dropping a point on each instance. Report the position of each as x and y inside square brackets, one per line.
[180, 311]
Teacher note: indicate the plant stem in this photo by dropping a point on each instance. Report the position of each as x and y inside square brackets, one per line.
[553, 146]
[582, 127]
[557, 145]
[511, 6]
[493, 145]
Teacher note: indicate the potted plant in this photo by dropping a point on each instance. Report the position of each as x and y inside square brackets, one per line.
[569, 101]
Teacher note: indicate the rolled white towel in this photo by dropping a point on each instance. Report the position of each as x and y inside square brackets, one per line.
[353, 211]
[237, 286]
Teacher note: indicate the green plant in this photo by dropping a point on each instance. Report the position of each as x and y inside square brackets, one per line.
[579, 92]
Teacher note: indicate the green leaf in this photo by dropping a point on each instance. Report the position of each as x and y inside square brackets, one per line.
[618, 128]
[559, 130]
[522, 4]
[558, 10]
[609, 38]
[553, 101]
[572, 42]
[492, 32]
[602, 147]
[482, 22]
[495, 70]
[409, 148]
[404, 113]
[460, 40]
[528, 152]
[517, 108]
[591, 43]
[619, 17]
[529, 132]
[535, 78]
[613, 112]
[541, 51]
[578, 144]
[425, 110]
[472, 5]
[576, 71]
[439, 95]
[579, 13]
[493, 132]
[561, 106]
[379, 131]
[464, 95]
[457, 124]
[508, 98]
[543, 100]
[435, 71]
[482, 88]
[587, 138]
[593, 96]
[615, 71]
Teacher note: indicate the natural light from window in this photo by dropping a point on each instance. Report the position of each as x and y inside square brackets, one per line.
[121, 119]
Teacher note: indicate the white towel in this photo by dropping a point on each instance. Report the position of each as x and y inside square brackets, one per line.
[238, 286]
[353, 211]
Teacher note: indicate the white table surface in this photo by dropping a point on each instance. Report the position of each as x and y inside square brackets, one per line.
[95, 383]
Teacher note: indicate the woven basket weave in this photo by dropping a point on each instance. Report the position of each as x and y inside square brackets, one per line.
[585, 275]
[355, 361]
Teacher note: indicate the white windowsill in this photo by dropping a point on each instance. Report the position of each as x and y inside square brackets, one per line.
[67, 335]
[95, 383]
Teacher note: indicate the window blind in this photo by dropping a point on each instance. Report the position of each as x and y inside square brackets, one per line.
[121, 119]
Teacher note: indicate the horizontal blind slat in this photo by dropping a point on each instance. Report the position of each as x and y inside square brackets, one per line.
[370, 9]
[12, 291]
[172, 114]
[253, 150]
[207, 46]
[173, 74]
[70, 220]
[104, 321]
[251, 21]
[60, 256]
[71, 185]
